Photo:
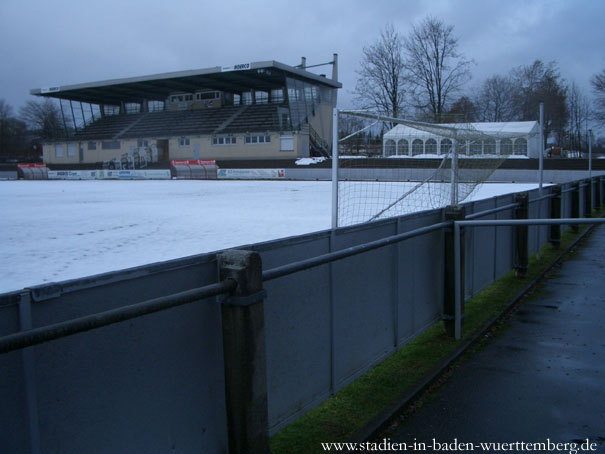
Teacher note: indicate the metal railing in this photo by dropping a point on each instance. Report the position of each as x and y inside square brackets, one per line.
[497, 223]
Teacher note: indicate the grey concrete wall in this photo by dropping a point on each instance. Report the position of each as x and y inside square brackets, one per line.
[499, 175]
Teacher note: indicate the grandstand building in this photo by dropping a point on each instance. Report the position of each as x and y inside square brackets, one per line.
[262, 110]
[521, 138]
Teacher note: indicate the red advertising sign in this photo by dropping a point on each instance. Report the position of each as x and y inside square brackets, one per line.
[194, 162]
[31, 166]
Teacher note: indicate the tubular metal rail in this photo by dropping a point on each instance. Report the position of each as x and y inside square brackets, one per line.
[58, 330]
[496, 223]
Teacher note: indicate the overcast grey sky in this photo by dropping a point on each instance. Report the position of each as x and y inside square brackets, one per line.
[46, 43]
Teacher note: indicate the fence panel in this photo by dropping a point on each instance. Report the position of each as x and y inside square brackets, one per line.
[421, 277]
[14, 434]
[364, 293]
[298, 330]
[154, 382]
[538, 236]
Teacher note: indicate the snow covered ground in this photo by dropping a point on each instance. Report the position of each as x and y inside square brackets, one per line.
[56, 230]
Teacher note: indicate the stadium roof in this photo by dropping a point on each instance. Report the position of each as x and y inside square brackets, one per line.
[261, 76]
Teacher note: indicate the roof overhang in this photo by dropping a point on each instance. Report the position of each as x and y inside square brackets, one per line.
[239, 78]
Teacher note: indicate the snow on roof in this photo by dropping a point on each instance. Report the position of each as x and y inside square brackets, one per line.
[496, 129]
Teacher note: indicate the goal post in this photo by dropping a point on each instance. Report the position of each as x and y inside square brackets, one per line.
[385, 166]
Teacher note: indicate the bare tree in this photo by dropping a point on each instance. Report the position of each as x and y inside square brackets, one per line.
[579, 113]
[436, 70]
[462, 111]
[598, 87]
[44, 118]
[14, 141]
[495, 99]
[537, 83]
[381, 82]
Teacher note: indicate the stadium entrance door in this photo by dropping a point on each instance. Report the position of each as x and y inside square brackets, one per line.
[163, 150]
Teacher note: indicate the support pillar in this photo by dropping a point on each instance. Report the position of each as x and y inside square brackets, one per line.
[244, 354]
[555, 213]
[453, 213]
[522, 237]
[575, 206]
[588, 198]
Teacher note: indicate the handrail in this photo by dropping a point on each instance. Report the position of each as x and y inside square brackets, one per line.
[544, 197]
[89, 322]
[492, 211]
[294, 267]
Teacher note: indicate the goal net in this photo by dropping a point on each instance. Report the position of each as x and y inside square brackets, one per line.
[391, 166]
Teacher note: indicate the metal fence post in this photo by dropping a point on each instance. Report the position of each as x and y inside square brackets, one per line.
[575, 205]
[597, 194]
[602, 189]
[244, 353]
[588, 199]
[522, 237]
[453, 213]
[555, 213]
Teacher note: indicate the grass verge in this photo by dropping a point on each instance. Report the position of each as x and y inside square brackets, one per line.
[343, 415]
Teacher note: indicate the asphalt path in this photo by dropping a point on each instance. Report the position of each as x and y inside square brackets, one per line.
[541, 380]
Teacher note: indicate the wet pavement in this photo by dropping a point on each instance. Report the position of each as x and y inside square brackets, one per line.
[542, 378]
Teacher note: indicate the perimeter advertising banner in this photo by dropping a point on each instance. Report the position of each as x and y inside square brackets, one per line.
[154, 174]
[251, 174]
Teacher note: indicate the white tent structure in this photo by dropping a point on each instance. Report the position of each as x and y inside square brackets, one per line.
[518, 138]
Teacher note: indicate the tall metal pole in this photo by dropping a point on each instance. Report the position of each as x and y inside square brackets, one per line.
[541, 147]
[335, 168]
[454, 173]
[590, 153]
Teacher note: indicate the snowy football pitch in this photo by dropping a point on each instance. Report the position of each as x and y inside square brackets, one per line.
[57, 230]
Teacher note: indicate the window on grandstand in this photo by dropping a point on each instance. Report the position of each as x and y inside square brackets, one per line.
[223, 140]
[71, 149]
[184, 142]
[59, 150]
[207, 95]
[132, 107]
[111, 110]
[261, 97]
[181, 97]
[92, 145]
[142, 143]
[156, 106]
[286, 143]
[403, 147]
[277, 96]
[520, 147]
[389, 148]
[110, 145]
[246, 97]
[256, 139]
